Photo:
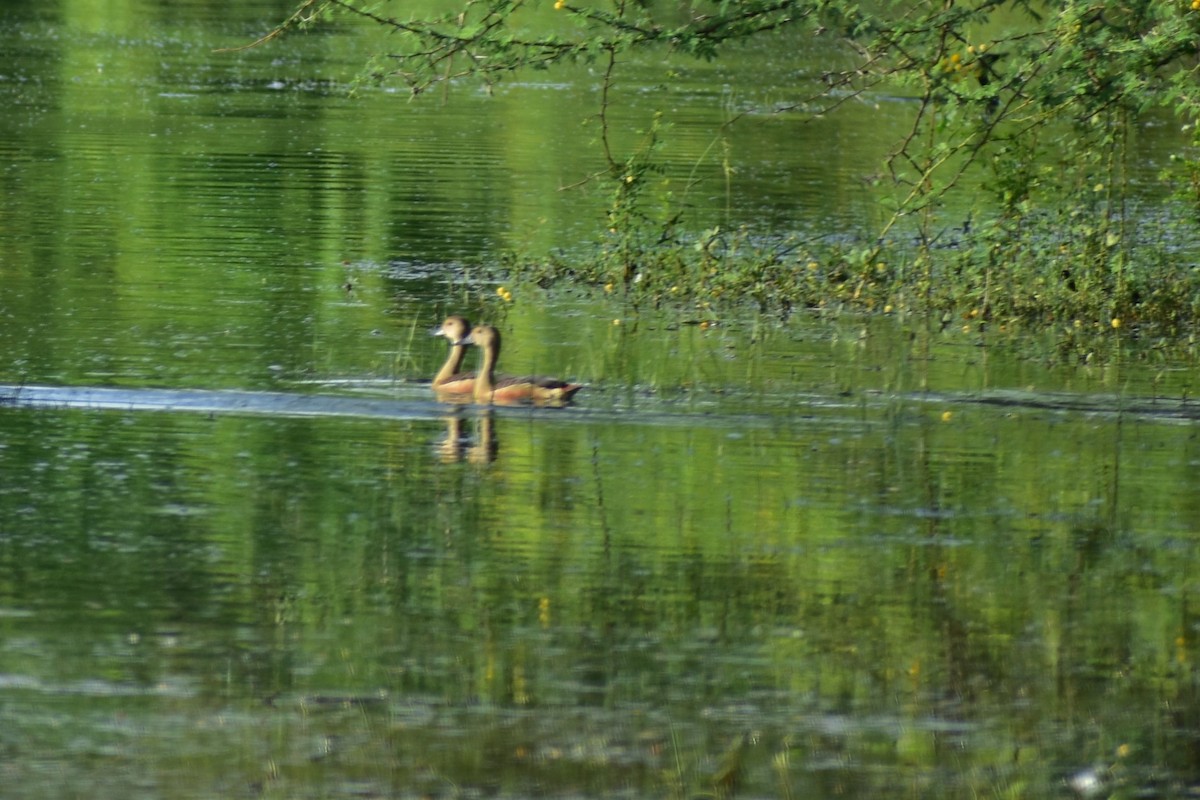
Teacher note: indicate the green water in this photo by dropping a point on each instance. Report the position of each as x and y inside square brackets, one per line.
[820, 557]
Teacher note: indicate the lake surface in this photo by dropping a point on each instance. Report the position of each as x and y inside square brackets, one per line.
[245, 553]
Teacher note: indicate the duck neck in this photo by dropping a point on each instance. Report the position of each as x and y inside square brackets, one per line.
[452, 365]
[485, 381]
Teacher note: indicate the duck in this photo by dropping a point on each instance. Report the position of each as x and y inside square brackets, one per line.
[448, 379]
[490, 389]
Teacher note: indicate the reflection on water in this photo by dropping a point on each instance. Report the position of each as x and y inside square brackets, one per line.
[478, 447]
[244, 551]
[874, 592]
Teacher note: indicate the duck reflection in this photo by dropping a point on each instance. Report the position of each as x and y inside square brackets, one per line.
[457, 445]
[483, 450]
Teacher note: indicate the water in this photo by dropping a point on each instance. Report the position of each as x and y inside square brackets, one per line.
[244, 552]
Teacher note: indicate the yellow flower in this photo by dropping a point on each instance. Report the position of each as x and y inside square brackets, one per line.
[560, 5]
[1116, 323]
[608, 287]
[947, 416]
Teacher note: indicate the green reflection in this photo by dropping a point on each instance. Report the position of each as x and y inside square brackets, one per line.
[795, 558]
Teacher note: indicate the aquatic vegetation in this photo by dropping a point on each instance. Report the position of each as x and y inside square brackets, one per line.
[1008, 199]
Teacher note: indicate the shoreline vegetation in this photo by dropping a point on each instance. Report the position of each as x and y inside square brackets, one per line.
[1029, 110]
[1079, 318]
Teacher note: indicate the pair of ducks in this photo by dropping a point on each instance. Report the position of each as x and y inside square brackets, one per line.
[484, 386]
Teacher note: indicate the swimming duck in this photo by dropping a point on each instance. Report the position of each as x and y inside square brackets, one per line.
[448, 379]
[505, 389]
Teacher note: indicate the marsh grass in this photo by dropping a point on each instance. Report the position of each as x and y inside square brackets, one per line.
[1029, 286]
[1071, 258]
